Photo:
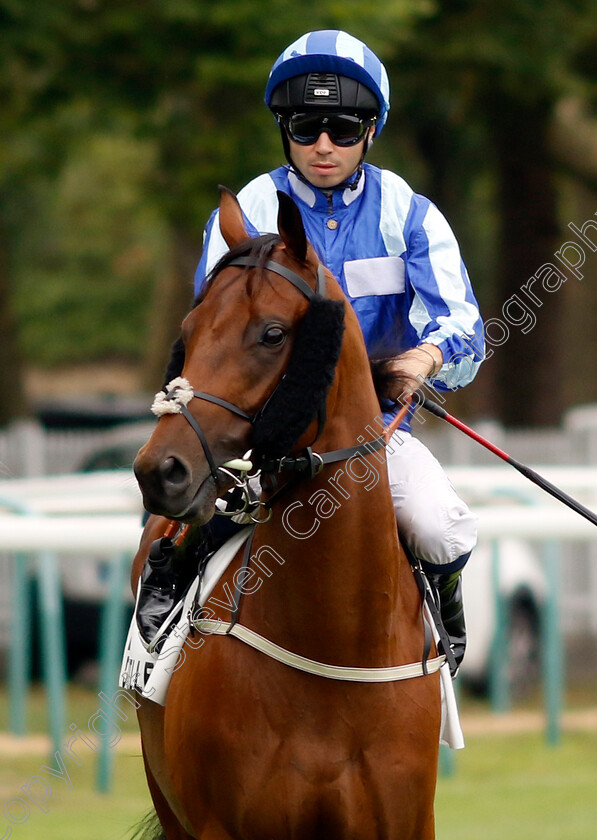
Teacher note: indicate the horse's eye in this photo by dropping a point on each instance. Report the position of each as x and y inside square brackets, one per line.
[273, 336]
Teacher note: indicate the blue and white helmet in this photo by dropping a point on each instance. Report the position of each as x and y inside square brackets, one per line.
[331, 51]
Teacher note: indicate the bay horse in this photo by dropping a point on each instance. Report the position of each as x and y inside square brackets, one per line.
[248, 746]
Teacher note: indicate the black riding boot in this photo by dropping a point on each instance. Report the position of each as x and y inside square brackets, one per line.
[163, 583]
[449, 592]
[170, 569]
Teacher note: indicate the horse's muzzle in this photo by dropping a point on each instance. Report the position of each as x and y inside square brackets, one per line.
[169, 489]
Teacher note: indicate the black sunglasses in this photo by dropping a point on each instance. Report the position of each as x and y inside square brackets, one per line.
[343, 129]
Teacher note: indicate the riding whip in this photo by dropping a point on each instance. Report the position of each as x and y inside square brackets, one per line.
[433, 408]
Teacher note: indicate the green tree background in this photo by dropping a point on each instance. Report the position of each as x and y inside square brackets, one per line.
[120, 119]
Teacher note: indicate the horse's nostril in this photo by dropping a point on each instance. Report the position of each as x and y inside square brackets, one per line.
[174, 473]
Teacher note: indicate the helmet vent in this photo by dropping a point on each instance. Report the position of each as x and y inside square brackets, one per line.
[322, 89]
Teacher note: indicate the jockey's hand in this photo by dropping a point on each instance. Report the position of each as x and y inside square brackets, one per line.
[407, 372]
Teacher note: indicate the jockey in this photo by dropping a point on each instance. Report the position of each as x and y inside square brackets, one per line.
[398, 263]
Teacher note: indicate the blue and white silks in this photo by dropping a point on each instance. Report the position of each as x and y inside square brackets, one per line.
[392, 252]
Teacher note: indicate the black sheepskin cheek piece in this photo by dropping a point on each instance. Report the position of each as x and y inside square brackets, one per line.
[303, 390]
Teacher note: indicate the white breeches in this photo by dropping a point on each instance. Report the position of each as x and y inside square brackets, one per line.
[434, 522]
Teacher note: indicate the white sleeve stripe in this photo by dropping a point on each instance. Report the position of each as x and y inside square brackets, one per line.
[396, 197]
[216, 247]
[419, 317]
[260, 203]
[445, 260]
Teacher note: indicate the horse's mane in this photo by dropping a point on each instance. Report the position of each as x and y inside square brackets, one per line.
[258, 248]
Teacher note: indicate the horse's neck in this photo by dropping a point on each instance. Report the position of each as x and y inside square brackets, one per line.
[335, 584]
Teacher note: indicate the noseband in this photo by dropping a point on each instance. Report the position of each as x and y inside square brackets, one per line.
[176, 395]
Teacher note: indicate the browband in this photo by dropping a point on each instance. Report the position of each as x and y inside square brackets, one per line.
[292, 277]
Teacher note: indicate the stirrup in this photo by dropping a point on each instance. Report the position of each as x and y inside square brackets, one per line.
[448, 589]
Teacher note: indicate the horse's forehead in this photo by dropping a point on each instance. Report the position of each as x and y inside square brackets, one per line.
[259, 286]
[237, 296]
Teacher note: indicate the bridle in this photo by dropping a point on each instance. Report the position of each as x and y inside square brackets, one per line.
[174, 399]
[176, 395]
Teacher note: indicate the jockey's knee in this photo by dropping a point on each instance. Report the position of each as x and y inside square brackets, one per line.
[441, 536]
[433, 521]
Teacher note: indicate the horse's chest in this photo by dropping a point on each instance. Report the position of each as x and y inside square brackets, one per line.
[315, 754]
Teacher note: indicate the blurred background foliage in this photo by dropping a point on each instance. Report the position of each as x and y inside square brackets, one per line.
[120, 119]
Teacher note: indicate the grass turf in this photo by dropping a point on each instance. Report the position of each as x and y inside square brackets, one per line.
[519, 787]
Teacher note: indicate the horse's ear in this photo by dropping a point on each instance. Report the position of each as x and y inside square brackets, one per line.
[232, 223]
[290, 226]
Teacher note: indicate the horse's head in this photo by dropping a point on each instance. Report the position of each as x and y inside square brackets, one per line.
[252, 369]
